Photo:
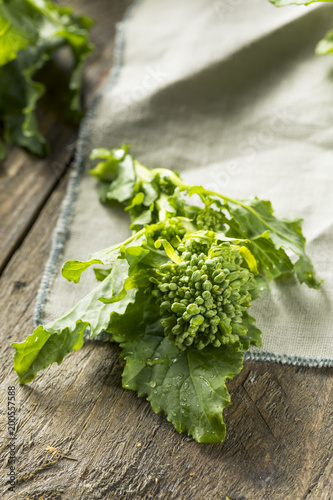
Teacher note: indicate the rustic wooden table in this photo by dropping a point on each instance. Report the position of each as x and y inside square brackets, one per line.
[80, 435]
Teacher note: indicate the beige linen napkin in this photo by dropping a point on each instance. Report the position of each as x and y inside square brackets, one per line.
[232, 96]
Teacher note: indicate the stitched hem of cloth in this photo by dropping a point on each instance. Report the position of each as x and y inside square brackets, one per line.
[288, 360]
[62, 227]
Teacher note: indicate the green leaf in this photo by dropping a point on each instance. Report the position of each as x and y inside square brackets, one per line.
[106, 170]
[254, 219]
[122, 188]
[272, 262]
[30, 31]
[137, 200]
[283, 3]
[189, 387]
[13, 37]
[41, 349]
[140, 313]
[269, 237]
[150, 193]
[50, 343]
[253, 336]
[325, 46]
[103, 192]
[101, 274]
[144, 218]
[72, 269]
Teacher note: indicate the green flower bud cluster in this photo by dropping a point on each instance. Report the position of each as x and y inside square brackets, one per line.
[172, 228]
[209, 219]
[193, 246]
[203, 298]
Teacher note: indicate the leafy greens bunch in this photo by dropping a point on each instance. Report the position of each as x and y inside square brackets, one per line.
[30, 32]
[174, 295]
[324, 46]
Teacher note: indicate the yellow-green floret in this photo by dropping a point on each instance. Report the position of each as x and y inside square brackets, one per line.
[203, 298]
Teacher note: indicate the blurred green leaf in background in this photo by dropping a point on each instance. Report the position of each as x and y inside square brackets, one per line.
[30, 31]
[324, 46]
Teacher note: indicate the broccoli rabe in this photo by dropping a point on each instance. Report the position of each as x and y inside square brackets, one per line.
[172, 231]
[175, 295]
[203, 298]
[210, 220]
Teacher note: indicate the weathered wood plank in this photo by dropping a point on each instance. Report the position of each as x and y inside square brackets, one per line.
[279, 435]
[27, 181]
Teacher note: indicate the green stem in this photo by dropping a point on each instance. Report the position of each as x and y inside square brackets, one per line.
[179, 183]
[115, 247]
[147, 175]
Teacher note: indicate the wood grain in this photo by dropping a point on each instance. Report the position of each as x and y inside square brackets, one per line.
[279, 428]
[81, 436]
